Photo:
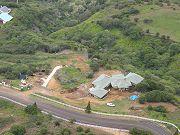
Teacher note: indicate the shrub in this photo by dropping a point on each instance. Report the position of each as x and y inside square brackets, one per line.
[150, 108]
[94, 66]
[79, 129]
[87, 130]
[135, 131]
[43, 131]
[160, 108]
[18, 130]
[57, 123]
[142, 100]
[32, 109]
[72, 121]
[66, 131]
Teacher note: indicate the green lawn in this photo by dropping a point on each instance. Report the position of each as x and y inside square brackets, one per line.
[121, 106]
[165, 20]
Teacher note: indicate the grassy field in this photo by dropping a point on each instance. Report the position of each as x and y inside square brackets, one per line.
[165, 20]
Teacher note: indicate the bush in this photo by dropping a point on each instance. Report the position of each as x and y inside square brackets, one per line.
[150, 108]
[43, 131]
[79, 129]
[160, 108]
[135, 131]
[32, 109]
[18, 130]
[87, 130]
[158, 96]
[66, 131]
[72, 121]
[142, 99]
[94, 66]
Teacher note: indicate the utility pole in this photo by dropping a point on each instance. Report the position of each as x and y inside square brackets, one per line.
[17, 1]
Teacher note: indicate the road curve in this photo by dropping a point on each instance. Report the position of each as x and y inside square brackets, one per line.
[92, 119]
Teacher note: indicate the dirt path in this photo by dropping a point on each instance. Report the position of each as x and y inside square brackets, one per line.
[51, 75]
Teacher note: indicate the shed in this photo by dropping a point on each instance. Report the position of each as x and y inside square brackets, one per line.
[98, 92]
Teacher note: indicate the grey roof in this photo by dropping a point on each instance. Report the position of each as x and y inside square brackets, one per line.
[120, 81]
[134, 78]
[114, 79]
[123, 84]
[98, 92]
[102, 81]
[5, 9]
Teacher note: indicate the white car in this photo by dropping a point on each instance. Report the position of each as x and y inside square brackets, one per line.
[110, 104]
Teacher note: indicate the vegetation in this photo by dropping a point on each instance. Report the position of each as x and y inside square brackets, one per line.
[107, 30]
[157, 109]
[37, 124]
[88, 108]
[71, 77]
[32, 109]
[135, 131]
[18, 130]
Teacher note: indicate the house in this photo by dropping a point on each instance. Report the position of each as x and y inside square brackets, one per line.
[119, 81]
[5, 17]
[4, 9]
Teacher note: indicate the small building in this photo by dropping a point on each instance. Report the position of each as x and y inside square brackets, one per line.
[5, 17]
[4, 9]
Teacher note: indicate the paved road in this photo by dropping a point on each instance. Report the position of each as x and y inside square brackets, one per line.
[92, 119]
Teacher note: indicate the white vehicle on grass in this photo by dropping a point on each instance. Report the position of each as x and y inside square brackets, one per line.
[110, 104]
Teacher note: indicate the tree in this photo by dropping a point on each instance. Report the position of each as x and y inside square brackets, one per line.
[94, 66]
[88, 108]
[18, 130]
[32, 109]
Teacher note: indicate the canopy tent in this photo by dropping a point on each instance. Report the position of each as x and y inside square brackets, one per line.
[102, 81]
[98, 92]
[5, 17]
[133, 97]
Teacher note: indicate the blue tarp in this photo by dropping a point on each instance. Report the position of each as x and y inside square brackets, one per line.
[133, 97]
[5, 17]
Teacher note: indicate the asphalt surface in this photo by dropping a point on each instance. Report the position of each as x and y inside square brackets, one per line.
[92, 119]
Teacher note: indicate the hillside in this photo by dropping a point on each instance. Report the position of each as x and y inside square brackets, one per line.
[138, 36]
